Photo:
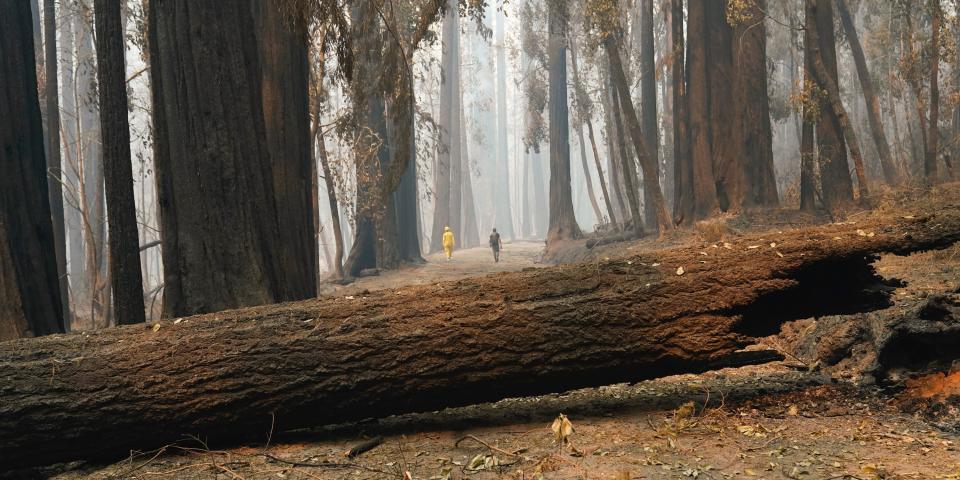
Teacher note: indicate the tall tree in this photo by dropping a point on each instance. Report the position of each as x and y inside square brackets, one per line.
[503, 215]
[562, 223]
[125, 274]
[648, 100]
[282, 41]
[30, 293]
[890, 171]
[703, 187]
[808, 184]
[933, 132]
[651, 181]
[749, 49]
[212, 160]
[627, 168]
[54, 162]
[683, 168]
[836, 185]
[375, 239]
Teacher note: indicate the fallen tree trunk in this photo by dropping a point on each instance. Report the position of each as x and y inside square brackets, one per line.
[240, 375]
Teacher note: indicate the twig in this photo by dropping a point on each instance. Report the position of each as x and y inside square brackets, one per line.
[364, 447]
[329, 465]
[485, 444]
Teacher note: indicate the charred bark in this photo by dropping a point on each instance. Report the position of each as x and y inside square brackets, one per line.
[683, 205]
[125, 274]
[933, 132]
[30, 302]
[236, 376]
[836, 184]
[214, 180]
[648, 111]
[53, 158]
[285, 90]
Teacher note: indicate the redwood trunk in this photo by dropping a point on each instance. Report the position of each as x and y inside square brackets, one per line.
[29, 288]
[214, 180]
[837, 187]
[125, 274]
[284, 85]
[562, 223]
[238, 376]
[54, 163]
[933, 132]
[648, 111]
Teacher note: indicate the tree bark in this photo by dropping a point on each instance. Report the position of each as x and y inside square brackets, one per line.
[836, 185]
[627, 169]
[125, 274]
[933, 129]
[750, 62]
[214, 178]
[808, 180]
[827, 79]
[648, 100]
[241, 375]
[285, 90]
[54, 162]
[704, 185]
[683, 203]
[563, 223]
[30, 302]
[890, 172]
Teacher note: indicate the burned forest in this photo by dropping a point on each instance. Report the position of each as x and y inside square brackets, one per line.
[479, 239]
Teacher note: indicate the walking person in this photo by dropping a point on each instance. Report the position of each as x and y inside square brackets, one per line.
[495, 245]
[448, 242]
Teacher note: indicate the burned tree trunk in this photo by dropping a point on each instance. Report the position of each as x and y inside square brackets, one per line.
[563, 222]
[54, 161]
[285, 89]
[933, 129]
[648, 111]
[125, 274]
[837, 187]
[214, 178]
[29, 287]
[236, 376]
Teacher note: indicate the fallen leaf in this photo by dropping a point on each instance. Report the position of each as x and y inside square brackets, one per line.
[793, 411]
[562, 428]
[779, 254]
[156, 327]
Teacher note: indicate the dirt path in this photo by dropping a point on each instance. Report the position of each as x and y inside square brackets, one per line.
[471, 262]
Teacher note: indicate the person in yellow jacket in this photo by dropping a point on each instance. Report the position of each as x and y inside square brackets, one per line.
[448, 242]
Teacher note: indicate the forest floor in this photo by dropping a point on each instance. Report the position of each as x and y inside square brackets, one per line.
[779, 420]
